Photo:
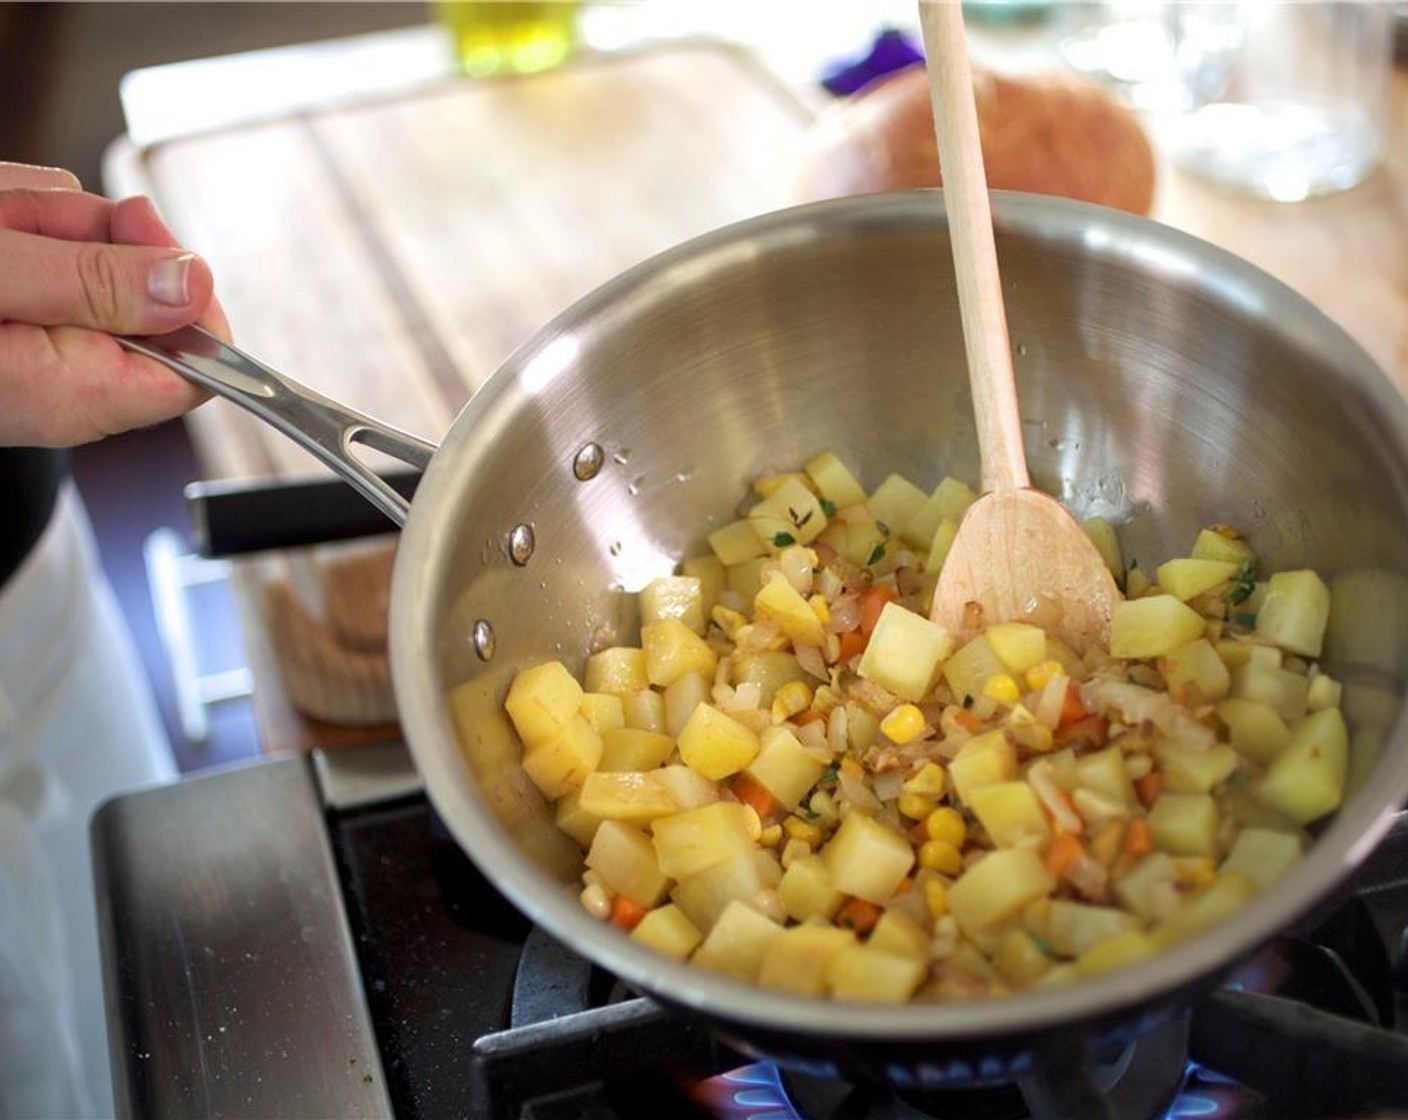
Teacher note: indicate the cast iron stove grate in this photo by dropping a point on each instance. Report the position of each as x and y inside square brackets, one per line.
[479, 1014]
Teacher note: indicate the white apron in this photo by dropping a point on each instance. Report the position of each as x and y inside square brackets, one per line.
[77, 725]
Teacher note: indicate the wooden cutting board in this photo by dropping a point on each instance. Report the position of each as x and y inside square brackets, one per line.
[392, 254]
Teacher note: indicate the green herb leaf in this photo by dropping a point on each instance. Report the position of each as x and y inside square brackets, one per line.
[883, 527]
[1245, 585]
[782, 540]
[876, 554]
[831, 772]
[828, 507]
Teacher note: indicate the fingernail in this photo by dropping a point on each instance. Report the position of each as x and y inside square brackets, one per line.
[166, 282]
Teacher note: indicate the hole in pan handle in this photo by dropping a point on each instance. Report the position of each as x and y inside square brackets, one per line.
[328, 430]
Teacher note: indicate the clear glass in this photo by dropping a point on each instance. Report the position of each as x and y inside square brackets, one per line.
[1281, 100]
[496, 36]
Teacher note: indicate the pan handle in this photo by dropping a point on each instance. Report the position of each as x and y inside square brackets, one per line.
[320, 425]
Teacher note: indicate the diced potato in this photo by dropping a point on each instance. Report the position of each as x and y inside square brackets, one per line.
[715, 744]
[709, 571]
[1324, 692]
[798, 960]
[746, 577]
[561, 764]
[940, 545]
[690, 789]
[673, 650]
[982, 761]
[633, 748]
[618, 670]
[572, 819]
[834, 480]
[705, 895]
[896, 501]
[1212, 545]
[867, 859]
[898, 933]
[1187, 578]
[1019, 958]
[870, 974]
[905, 653]
[1306, 780]
[996, 887]
[1295, 612]
[625, 859]
[1263, 855]
[1107, 542]
[1120, 951]
[1106, 772]
[784, 767]
[857, 537]
[782, 604]
[1152, 627]
[768, 669]
[972, 666]
[644, 710]
[807, 890]
[790, 515]
[1011, 814]
[603, 711]
[1228, 893]
[666, 930]
[765, 486]
[682, 696]
[949, 501]
[691, 841]
[1196, 674]
[1188, 769]
[541, 700]
[738, 943]
[678, 597]
[1284, 690]
[1018, 645]
[1257, 732]
[627, 796]
[736, 542]
[1150, 888]
[1070, 928]
[1184, 824]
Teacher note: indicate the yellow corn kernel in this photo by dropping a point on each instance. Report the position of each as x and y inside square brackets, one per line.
[1040, 674]
[821, 608]
[771, 836]
[903, 724]
[946, 823]
[798, 829]
[916, 806]
[729, 621]
[1003, 689]
[936, 898]
[791, 698]
[794, 849]
[931, 779]
[940, 856]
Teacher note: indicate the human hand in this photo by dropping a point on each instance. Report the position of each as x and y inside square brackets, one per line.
[75, 269]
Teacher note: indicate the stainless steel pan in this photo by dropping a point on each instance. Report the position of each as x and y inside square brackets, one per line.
[1163, 382]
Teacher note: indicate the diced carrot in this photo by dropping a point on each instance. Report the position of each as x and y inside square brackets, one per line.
[626, 914]
[1149, 787]
[1094, 730]
[853, 642]
[752, 792]
[1062, 856]
[872, 601]
[967, 719]
[1071, 707]
[1138, 841]
[811, 715]
[858, 915]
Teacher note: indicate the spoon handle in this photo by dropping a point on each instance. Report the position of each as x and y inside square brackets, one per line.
[974, 251]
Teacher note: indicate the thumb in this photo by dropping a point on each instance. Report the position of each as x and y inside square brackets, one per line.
[121, 289]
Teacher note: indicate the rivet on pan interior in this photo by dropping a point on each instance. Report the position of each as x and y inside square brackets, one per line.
[589, 461]
[483, 640]
[521, 544]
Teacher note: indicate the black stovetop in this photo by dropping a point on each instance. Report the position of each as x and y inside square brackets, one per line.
[477, 1013]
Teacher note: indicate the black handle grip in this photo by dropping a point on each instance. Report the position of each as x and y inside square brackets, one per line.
[239, 518]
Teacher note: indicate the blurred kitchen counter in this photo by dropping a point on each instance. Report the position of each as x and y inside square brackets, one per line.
[389, 233]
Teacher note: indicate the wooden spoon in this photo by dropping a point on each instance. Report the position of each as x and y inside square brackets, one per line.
[1018, 554]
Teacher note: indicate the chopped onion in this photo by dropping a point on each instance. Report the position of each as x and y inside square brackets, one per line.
[811, 661]
[851, 783]
[888, 786]
[845, 613]
[838, 726]
[796, 565]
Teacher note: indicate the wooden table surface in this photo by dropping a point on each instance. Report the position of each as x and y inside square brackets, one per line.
[392, 251]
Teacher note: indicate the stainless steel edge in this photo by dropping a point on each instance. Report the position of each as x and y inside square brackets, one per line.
[230, 975]
[350, 779]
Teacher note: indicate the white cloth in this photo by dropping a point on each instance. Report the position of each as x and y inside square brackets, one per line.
[77, 725]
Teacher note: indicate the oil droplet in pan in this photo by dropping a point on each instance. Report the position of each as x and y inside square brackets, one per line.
[483, 637]
[521, 544]
[588, 462]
